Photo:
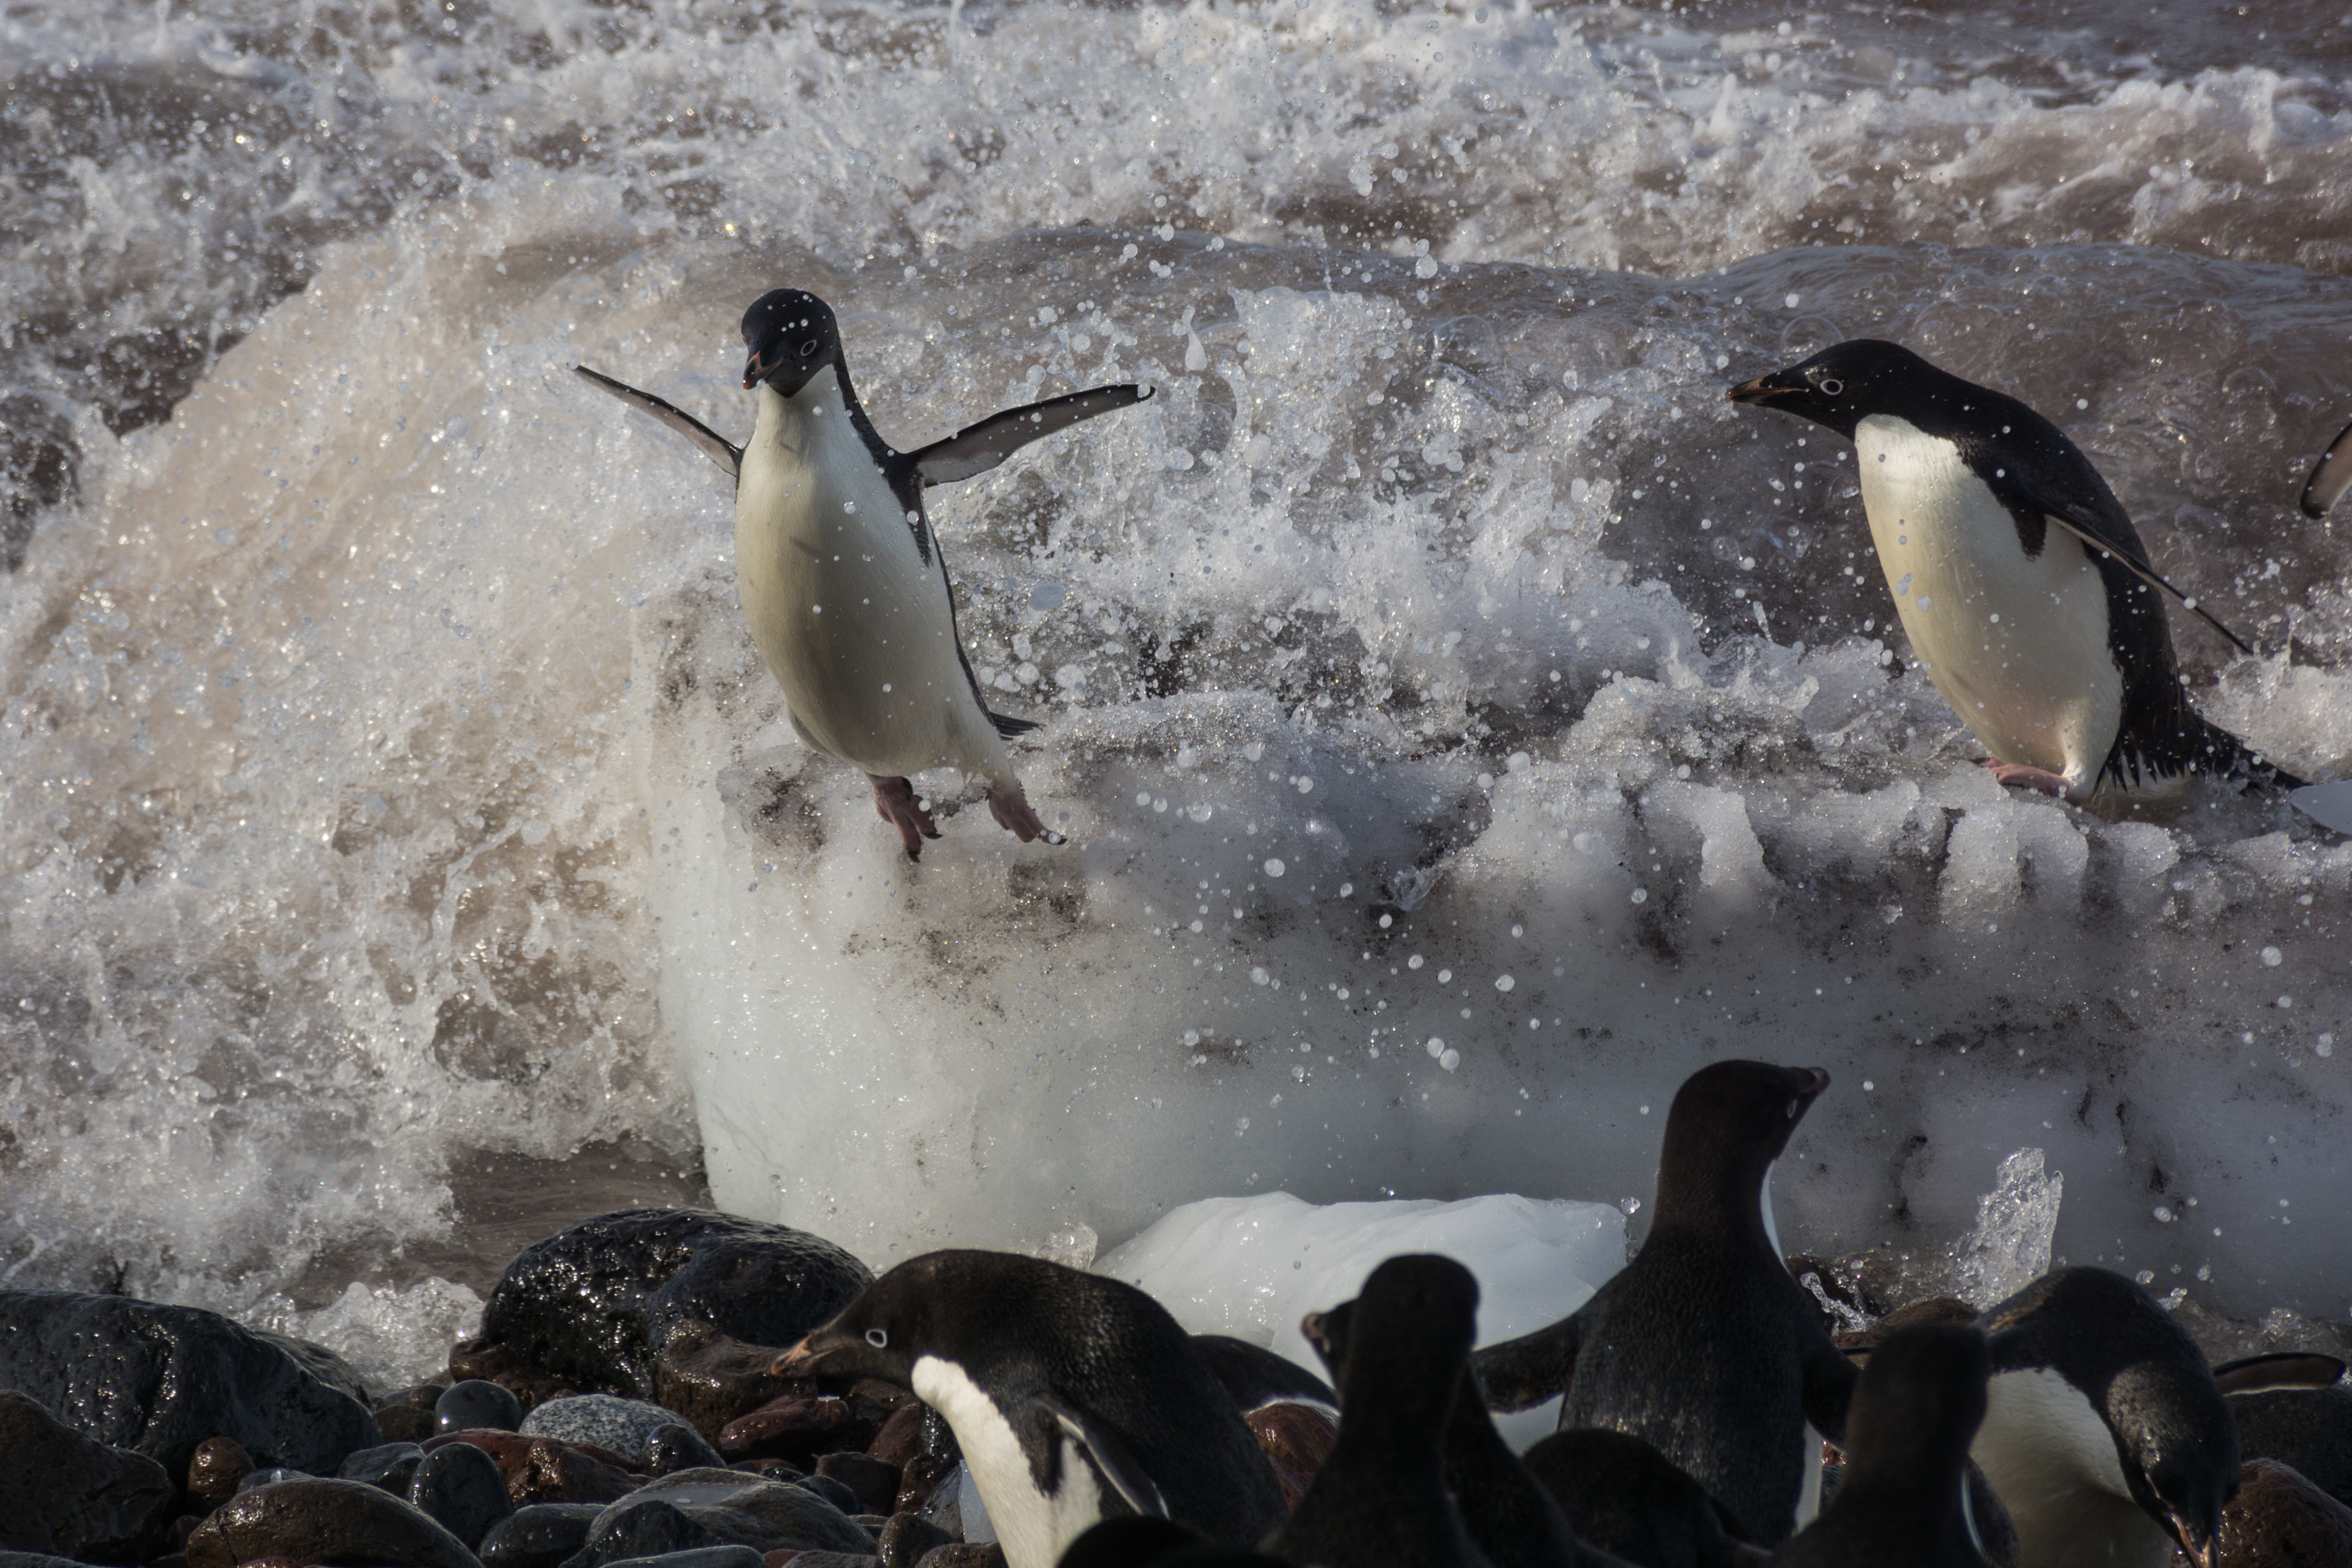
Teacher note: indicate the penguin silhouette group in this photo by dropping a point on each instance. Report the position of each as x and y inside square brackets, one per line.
[2019, 581]
[2074, 1424]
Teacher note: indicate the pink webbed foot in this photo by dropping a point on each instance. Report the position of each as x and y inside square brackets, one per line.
[1013, 813]
[896, 804]
[2024, 777]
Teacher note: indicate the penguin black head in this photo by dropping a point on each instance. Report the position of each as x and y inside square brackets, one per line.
[1728, 1123]
[905, 1315]
[792, 334]
[1842, 384]
[2182, 1469]
[1918, 1403]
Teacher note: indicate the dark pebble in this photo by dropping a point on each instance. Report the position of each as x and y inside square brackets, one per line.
[701, 1557]
[711, 1378]
[922, 1477]
[540, 1535]
[835, 1560]
[651, 1528]
[963, 1555]
[794, 1427]
[61, 1491]
[901, 1437]
[836, 1492]
[1297, 1439]
[272, 1476]
[874, 1483]
[679, 1447]
[540, 1469]
[216, 1470]
[321, 1521]
[733, 1507]
[477, 1404]
[391, 1467]
[460, 1486]
[2279, 1518]
[906, 1538]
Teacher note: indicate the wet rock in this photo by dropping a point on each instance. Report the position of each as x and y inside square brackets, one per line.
[922, 1478]
[905, 1539]
[835, 1560]
[2280, 1519]
[461, 1487]
[541, 1535]
[679, 1447]
[711, 1378]
[475, 1403]
[730, 1507]
[623, 1425]
[391, 1467]
[874, 1483]
[272, 1476]
[63, 1492]
[542, 1469]
[1297, 1439]
[407, 1417]
[794, 1427]
[159, 1380]
[702, 1557]
[216, 1470]
[640, 1528]
[323, 1521]
[901, 1437]
[835, 1492]
[962, 1555]
[594, 1303]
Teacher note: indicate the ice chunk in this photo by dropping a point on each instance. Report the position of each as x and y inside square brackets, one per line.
[2009, 1247]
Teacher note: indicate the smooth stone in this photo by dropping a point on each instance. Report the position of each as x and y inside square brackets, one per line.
[539, 1535]
[701, 1557]
[320, 1521]
[679, 1447]
[2280, 1518]
[736, 1508]
[838, 1493]
[835, 1560]
[158, 1380]
[906, 1538]
[216, 1470]
[901, 1437]
[624, 1426]
[391, 1467]
[275, 1475]
[641, 1527]
[1297, 1439]
[477, 1404]
[407, 1417]
[711, 1378]
[593, 1304]
[794, 1427]
[963, 1555]
[923, 1475]
[35, 1560]
[873, 1482]
[461, 1487]
[61, 1491]
[542, 1469]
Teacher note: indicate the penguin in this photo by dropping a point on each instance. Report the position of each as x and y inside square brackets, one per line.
[1623, 1496]
[2105, 1435]
[2293, 1406]
[840, 575]
[1073, 1396]
[1903, 1502]
[1145, 1540]
[1380, 1498]
[1257, 1377]
[1704, 1346]
[2330, 476]
[1508, 1514]
[2020, 580]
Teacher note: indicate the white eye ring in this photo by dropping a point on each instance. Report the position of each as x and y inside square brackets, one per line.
[808, 348]
[879, 1338]
[1832, 386]
[1792, 1114]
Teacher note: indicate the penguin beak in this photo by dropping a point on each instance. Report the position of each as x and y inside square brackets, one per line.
[1764, 388]
[799, 1361]
[2202, 1547]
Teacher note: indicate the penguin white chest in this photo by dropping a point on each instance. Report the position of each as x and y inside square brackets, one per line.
[2053, 1464]
[1032, 1526]
[2016, 643]
[856, 626]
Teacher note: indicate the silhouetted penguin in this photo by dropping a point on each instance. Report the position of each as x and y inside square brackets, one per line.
[1073, 1397]
[1704, 1346]
[1903, 1500]
[2330, 476]
[2293, 1406]
[1257, 1377]
[1143, 1540]
[2105, 1433]
[1623, 1497]
[841, 578]
[1510, 1518]
[2020, 583]
[1381, 1497]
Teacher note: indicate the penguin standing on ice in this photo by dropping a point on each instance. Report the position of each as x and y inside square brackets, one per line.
[840, 576]
[1704, 1346]
[2018, 576]
[2105, 1435]
[1073, 1397]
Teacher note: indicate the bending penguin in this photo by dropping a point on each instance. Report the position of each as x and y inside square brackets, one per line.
[2018, 576]
[1704, 1346]
[1073, 1397]
[840, 575]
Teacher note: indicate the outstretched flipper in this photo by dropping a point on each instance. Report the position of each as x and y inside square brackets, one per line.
[977, 448]
[2330, 476]
[715, 446]
[1530, 1369]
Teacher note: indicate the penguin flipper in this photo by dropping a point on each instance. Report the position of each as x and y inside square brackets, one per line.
[715, 446]
[1007, 725]
[1108, 1451]
[2091, 528]
[2279, 1369]
[1829, 1378]
[1530, 1369]
[977, 448]
[2330, 476]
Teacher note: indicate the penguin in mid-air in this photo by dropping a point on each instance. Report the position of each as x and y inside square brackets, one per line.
[2020, 580]
[1381, 1497]
[1903, 1500]
[2105, 1434]
[840, 575]
[1073, 1397]
[1704, 1346]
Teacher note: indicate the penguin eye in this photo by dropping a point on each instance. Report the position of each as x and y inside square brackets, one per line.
[808, 348]
[1792, 1109]
[879, 1338]
[1832, 387]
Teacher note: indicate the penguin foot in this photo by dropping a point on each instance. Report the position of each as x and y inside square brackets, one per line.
[1013, 813]
[2026, 777]
[896, 804]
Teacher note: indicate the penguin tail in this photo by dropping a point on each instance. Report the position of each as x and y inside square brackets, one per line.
[2217, 752]
[1008, 726]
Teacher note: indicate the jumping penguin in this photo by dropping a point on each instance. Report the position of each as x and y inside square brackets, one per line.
[840, 575]
[1073, 1396]
[1704, 1346]
[2018, 576]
